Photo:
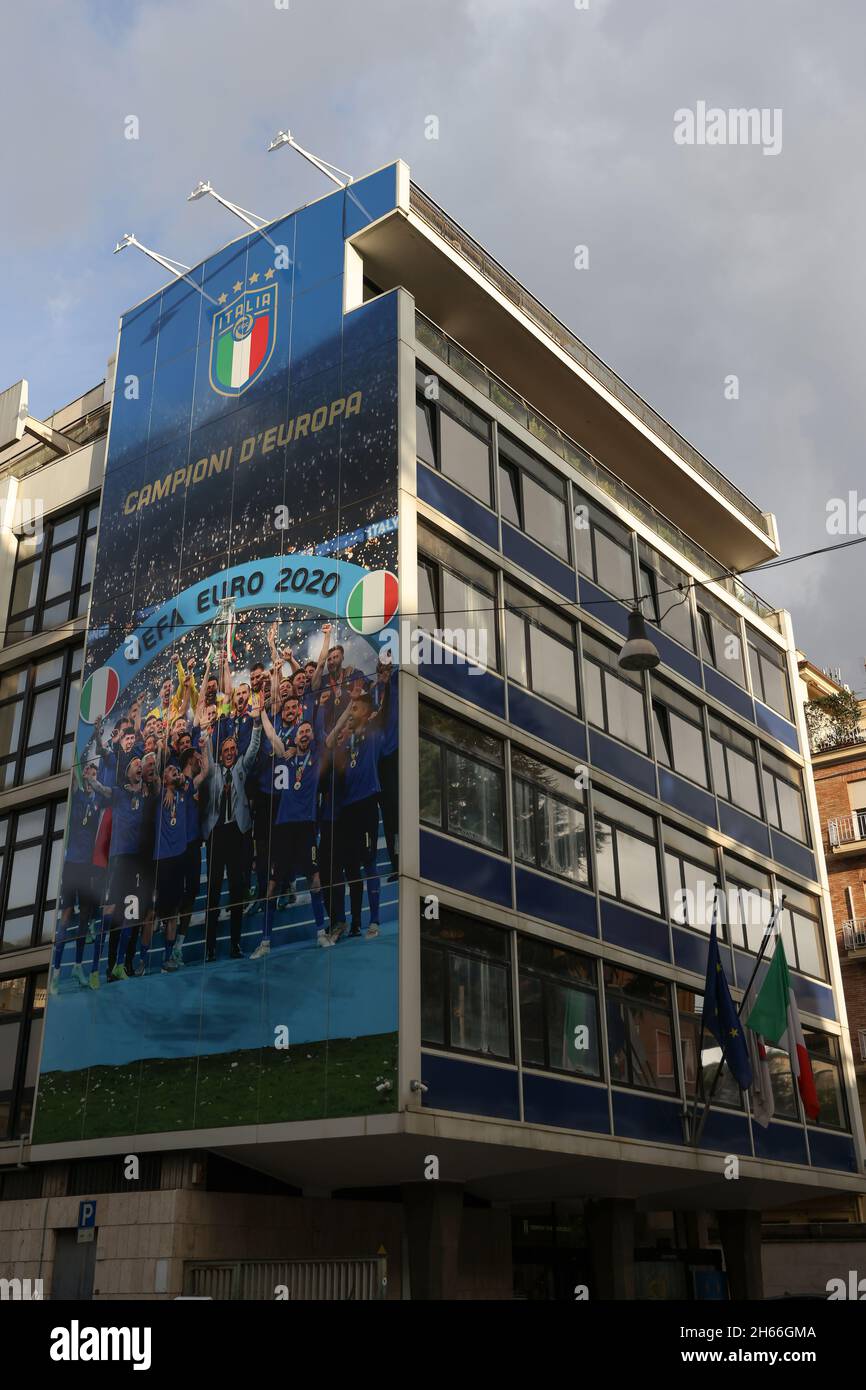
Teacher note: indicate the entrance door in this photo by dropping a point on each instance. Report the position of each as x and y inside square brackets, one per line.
[74, 1268]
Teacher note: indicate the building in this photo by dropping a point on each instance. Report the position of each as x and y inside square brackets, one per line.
[490, 1094]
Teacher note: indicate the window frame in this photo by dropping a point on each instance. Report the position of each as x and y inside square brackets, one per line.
[530, 465]
[726, 728]
[443, 747]
[578, 803]
[615, 994]
[436, 565]
[548, 978]
[770, 777]
[449, 949]
[665, 696]
[528, 617]
[33, 616]
[434, 409]
[608, 818]
[24, 1019]
[43, 904]
[72, 661]
[632, 679]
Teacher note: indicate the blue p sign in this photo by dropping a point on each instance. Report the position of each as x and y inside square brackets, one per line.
[86, 1215]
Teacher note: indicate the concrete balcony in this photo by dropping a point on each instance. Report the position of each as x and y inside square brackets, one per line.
[854, 935]
[847, 834]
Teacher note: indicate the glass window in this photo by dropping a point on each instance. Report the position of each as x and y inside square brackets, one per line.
[802, 933]
[53, 573]
[735, 770]
[38, 715]
[540, 649]
[691, 873]
[701, 1081]
[453, 437]
[823, 1050]
[466, 985]
[533, 497]
[424, 432]
[721, 644]
[639, 1030]
[604, 549]
[457, 599]
[679, 733]
[559, 1025]
[549, 819]
[462, 779]
[28, 884]
[769, 674]
[665, 590]
[783, 791]
[625, 852]
[614, 698]
[749, 904]
[22, 1004]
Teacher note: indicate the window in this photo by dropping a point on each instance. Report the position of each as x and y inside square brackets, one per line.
[691, 872]
[462, 779]
[721, 645]
[38, 715]
[454, 438]
[823, 1050]
[466, 985]
[639, 1030]
[769, 675]
[31, 849]
[749, 900]
[679, 733]
[625, 853]
[549, 819]
[614, 698]
[735, 770]
[22, 1006]
[532, 497]
[457, 598]
[604, 549]
[801, 931]
[53, 571]
[540, 648]
[727, 1092]
[558, 1009]
[783, 792]
[659, 582]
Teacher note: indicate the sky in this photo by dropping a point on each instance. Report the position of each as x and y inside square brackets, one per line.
[555, 126]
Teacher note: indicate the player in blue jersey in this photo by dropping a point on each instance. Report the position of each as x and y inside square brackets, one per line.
[331, 872]
[387, 680]
[193, 765]
[357, 739]
[130, 868]
[293, 847]
[77, 885]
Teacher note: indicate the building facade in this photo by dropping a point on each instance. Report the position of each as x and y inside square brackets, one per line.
[491, 1093]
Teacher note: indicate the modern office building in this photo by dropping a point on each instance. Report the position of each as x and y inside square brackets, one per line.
[490, 1096]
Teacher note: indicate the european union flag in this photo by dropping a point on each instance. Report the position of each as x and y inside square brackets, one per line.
[720, 1017]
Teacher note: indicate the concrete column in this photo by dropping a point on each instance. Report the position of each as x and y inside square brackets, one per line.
[433, 1214]
[610, 1237]
[740, 1233]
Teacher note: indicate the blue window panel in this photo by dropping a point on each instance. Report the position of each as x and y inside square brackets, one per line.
[634, 932]
[449, 500]
[813, 998]
[546, 721]
[730, 694]
[483, 688]
[319, 252]
[471, 1089]
[317, 329]
[172, 399]
[675, 656]
[180, 309]
[539, 895]
[690, 952]
[622, 762]
[744, 966]
[773, 723]
[685, 796]
[449, 861]
[793, 854]
[832, 1151]
[726, 1133]
[743, 827]
[782, 1143]
[369, 198]
[538, 561]
[547, 1100]
[645, 1117]
[602, 606]
[370, 326]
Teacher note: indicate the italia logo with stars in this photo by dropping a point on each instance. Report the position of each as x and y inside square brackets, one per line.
[243, 334]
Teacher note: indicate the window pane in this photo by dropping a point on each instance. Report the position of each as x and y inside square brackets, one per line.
[427, 615]
[65, 530]
[26, 585]
[424, 435]
[572, 1029]
[791, 809]
[688, 743]
[430, 805]
[828, 1084]
[604, 858]
[24, 877]
[640, 1046]
[29, 825]
[12, 995]
[472, 613]
[553, 673]
[524, 822]
[810, 956]
[89, 558]
[638, 871]
[515, 647]
[43, 718]
[10, 727]
[592, 693]
[465, 457]
[563, 839]
[744, 782]
[432, 985]
[509, 503]
[61, 569]
[544, 517]
[469, 737]
[474, 800]
[532, 1020]
[613, 566]
[625, 711]
[479, 1006]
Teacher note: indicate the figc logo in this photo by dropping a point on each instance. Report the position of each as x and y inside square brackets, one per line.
[243, 334]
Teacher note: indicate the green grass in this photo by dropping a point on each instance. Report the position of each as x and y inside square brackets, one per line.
[309, 1081]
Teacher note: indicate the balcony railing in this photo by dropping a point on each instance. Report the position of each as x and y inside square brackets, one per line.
[489, 384]
[847, 830]
[854, 934]
[862, 1036]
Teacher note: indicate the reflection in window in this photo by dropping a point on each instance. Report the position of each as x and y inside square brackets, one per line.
[559, 1028]
[625, 853]
[540, 649]
[679, 733]
[639, 1030]
[454, 437]
[53, 573]
[700, 1079]
[549, 819]
[823, 1050]
[465, 985]
[462, 779]
[735, 769]
[30, 852]
[533, 497]
[614, 698]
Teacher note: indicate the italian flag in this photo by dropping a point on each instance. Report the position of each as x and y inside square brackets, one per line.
[237, 361]
[776, 1017]
[373, 602]
[99, 694]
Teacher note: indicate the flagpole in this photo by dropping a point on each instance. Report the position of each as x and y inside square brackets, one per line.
[699, 1071]
[771, 926]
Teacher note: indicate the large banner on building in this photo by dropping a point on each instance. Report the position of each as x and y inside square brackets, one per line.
[226, 947]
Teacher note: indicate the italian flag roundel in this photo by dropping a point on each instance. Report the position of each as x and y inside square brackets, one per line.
[373, 602]
[99, 694]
